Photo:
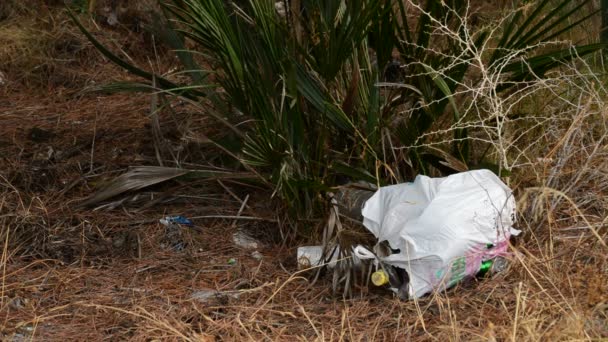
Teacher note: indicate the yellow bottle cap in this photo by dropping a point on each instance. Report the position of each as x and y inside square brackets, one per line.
[380, 278]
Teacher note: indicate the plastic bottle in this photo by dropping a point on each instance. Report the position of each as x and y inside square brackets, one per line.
[395, 278]
[493, 266]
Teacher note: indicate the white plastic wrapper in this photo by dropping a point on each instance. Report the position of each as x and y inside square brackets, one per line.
[443, 228]
[310, 256]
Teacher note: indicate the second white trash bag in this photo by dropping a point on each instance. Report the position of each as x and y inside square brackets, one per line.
[443, 228]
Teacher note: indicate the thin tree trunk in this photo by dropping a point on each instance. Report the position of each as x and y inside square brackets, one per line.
[351, 200]
[296, 11]
[604, 30]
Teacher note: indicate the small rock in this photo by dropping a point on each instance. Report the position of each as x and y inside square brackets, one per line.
[44, 156]
[173, 238]
[243, 240]
[279, 6]
[112, 19]
[17, 303]
[204, 295]
[208, 295]
[19, 337]
[257, 255]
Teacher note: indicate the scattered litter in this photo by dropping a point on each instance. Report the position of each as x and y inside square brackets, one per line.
[173, 234]
[432, 233]
[17, 303]
[257, 255]
[279, 6]
[44, 157]
[310, 256]
[244, 240]
[112, 18]
[19, 337]
[206, 295]
[176, 220]
[439, 230]
[179, 246]
[232, 261]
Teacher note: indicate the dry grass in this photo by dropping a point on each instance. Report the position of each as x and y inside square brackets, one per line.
[40, 50]
[39, 45]
[540, 298]
[83, 275]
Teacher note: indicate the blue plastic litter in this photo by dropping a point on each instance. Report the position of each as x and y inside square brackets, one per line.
[173, 231]
[178, 220]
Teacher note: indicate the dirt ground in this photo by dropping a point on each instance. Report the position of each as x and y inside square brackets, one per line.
[72, 273]
[93, 275]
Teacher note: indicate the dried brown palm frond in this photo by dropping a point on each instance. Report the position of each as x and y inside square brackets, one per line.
[343, 232]
[140, 177]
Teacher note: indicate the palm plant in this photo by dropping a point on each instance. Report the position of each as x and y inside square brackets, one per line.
[315, 109]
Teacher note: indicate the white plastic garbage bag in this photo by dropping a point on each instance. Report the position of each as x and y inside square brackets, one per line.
[442, 229]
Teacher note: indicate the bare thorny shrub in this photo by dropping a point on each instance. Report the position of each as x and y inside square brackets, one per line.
[549, 131]
[548, 136]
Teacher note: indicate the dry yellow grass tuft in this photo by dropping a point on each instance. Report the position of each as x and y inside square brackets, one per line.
[40, 46]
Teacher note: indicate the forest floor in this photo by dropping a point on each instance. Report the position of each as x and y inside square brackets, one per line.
[72, 273]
